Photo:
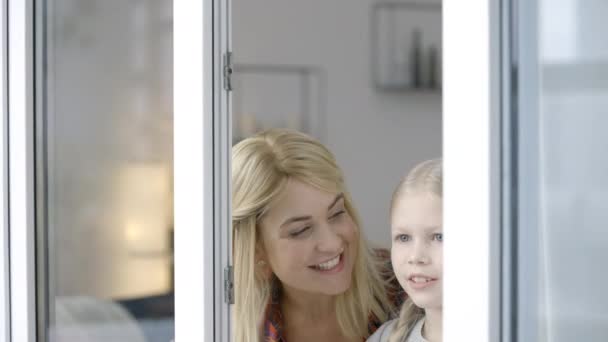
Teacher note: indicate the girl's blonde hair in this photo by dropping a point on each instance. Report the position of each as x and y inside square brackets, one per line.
[425, 177]
[261, 167]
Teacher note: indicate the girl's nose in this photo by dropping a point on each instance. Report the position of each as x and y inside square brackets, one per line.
[418, 255]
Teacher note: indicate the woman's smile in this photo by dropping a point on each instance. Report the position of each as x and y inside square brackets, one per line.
[332, 266]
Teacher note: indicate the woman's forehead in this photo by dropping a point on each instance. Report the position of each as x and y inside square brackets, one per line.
[300, 199]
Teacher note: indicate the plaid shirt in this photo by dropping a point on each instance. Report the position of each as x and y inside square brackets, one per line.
[273, 318]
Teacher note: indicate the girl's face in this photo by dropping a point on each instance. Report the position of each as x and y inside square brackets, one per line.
[417, 247]
[310, 240]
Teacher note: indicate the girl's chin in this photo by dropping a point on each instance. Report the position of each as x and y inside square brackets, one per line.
[427, 304]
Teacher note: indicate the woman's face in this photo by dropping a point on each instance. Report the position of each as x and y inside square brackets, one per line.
[417, 247]
[310, 240]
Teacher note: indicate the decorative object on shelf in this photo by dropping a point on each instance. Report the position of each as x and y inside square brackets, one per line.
[406, 46]
[286, 96]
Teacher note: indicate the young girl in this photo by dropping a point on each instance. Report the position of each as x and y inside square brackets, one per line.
[416, 253]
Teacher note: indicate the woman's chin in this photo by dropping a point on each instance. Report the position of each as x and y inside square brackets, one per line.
[338, 285]
[338, 289]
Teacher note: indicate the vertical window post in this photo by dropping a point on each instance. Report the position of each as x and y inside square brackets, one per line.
[193, 165]
[4, 236]
[21, 170]
[471, 145]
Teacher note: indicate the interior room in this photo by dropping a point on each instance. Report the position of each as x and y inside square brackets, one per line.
[363, 77]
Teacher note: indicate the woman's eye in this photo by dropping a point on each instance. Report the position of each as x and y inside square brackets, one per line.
[338, 214]
[402, 238]
[299, 232]
[438, 237]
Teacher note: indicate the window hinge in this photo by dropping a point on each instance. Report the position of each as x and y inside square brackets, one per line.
[228, 285]
[228, 71]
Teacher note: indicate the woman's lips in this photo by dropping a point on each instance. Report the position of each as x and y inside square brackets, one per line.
[330, 267]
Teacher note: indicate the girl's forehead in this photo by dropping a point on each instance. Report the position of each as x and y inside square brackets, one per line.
[421, 229]
[414, 202]
[417, 211]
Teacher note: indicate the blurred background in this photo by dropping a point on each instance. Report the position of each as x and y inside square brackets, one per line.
[364, 77]
[563, 287]
[104, 165]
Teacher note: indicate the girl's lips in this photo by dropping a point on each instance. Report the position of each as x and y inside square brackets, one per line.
[421, 282]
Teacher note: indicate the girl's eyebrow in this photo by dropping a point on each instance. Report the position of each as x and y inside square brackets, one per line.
[408, 229]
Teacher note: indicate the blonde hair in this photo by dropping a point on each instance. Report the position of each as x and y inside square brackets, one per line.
[424, 177]
[261, 167]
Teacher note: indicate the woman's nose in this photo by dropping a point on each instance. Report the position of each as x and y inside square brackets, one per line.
[329, 241]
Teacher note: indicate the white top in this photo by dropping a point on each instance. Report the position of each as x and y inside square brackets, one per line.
[383, 333]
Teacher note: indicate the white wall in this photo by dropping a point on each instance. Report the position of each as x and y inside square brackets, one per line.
[375, 136]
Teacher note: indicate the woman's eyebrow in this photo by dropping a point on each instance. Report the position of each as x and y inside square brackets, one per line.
[338, 197]
[304, 218]
[295, 219]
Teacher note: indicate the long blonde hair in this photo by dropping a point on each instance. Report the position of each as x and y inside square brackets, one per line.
[424, 177]
[261, 167]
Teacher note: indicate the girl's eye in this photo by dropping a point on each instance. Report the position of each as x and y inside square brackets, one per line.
[338, 214]
[402, 238]
[438, 237]
[299, 232]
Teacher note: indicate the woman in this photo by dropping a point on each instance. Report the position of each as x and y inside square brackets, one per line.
[303, 271]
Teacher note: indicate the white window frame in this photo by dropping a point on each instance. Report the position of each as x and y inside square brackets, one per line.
[4, 243]
[201, 172]
[192, 150]
[472, 167]
[202, 143]
[202, 140]
[21, 170]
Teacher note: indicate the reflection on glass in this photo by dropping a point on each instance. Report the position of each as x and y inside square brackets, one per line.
[320, 79]
[104, 170]
[573, 168]
[277, 96]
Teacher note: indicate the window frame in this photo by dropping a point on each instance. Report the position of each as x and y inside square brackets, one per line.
[202, 127]
[472, 99]
[201, 152]
[4, 242]
[473, 163]
[21, 213]
[521, 284]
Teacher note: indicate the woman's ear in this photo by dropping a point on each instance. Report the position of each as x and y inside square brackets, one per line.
[262, 266]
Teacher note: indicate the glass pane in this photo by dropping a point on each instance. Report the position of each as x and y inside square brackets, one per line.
[572, 211]
[367, 85]
[104, 170]
[361, 77]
